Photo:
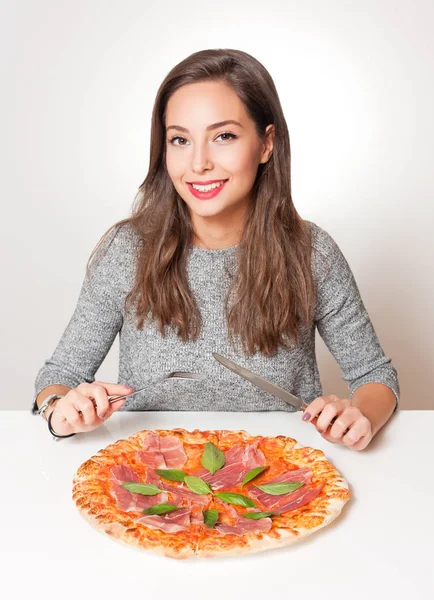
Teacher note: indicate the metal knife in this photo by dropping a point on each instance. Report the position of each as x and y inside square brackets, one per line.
[264, 384]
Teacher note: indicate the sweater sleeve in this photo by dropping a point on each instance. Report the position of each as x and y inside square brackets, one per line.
[97, 318]
[343, 321]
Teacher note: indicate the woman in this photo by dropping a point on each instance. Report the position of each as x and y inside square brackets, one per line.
[215, 257]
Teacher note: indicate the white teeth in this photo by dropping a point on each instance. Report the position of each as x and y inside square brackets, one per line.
[207, 188]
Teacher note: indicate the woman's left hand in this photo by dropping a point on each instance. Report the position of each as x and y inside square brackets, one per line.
[349, 428]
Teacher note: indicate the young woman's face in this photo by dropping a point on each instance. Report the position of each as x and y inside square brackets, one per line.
[203, 147]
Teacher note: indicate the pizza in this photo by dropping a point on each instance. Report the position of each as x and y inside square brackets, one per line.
[183, 493]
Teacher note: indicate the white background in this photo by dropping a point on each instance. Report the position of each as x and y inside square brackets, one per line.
[79, 79]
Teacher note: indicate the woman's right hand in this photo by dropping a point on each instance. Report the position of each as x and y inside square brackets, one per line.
[86, 407]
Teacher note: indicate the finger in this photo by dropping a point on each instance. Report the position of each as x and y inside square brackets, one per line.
[115, 389]
[330, 412]
[114, 406]
[99, 394]
[360, 429]
[362, 443]
[60, 424]
[66, 410]
[344, 422]
[314, 409]
[328, 438]
[87, 409]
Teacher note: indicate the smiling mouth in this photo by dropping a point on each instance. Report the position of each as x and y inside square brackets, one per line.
[207, 188]
[207, 192]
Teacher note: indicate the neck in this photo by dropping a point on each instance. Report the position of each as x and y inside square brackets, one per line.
[215, 241]
[213, 235]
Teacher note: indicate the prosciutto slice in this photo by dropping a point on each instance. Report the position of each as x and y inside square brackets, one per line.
[182, 493]
[292, 500]
[302, 496]
[121, 473]
[303, 475]
[129, 501]
[239, 461]
[162, 452]
[178, 492]
[243, 525]
[175, 521]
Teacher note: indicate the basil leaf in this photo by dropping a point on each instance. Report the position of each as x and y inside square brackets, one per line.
[212, 458]
[252, 474]
[257, 515]
[232, 498]
[171, 474]
[147, 489]
[159, 509]
[276, 489]
[210, 517]
[197, 485]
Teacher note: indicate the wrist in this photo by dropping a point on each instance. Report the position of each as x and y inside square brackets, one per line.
[47, 412]
[46, 395]
[376, 402]
[46, 405]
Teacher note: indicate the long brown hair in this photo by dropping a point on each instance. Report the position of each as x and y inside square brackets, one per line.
[271, 294]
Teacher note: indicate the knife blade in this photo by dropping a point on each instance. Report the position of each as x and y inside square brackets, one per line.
[261, 382]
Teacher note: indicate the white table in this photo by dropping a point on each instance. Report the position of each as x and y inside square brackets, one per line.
[380, 546]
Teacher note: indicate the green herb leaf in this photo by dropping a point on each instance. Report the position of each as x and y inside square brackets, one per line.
[147, 489]
[257, 515]
[212, 458]
[210, 517]
[232, 498]
[276, 489]
[171, 474]
[197, 485]
[160, 509]
[252, 474]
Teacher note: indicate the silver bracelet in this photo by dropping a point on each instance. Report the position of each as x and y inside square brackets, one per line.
[46, 403]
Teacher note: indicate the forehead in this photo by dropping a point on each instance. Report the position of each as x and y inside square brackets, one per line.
[197, 105]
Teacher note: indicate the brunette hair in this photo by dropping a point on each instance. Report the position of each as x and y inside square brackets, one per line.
[271, 293]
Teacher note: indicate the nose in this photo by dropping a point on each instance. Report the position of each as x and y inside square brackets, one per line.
[201, 161]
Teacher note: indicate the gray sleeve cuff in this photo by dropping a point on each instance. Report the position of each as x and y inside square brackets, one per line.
[388, 378]
[50, 378]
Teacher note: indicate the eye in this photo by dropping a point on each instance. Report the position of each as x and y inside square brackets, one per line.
[177, 137]
[231, 136]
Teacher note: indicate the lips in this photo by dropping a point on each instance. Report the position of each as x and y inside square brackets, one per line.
[207, 195]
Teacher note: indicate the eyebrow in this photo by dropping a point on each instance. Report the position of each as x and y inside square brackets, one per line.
[209, 128]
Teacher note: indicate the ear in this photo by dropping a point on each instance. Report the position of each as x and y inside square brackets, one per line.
[268, 144]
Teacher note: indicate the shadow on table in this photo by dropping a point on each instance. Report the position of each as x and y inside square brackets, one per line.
[113, 429]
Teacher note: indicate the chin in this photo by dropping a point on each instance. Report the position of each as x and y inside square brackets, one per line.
[206, 213]
[205, 208]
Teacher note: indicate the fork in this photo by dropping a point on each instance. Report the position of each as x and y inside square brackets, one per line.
[172, 375]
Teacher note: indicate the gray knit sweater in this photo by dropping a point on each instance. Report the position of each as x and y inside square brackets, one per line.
[99, 317]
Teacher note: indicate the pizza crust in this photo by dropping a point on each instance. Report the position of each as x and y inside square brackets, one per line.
[91, 494]
[127, 535]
